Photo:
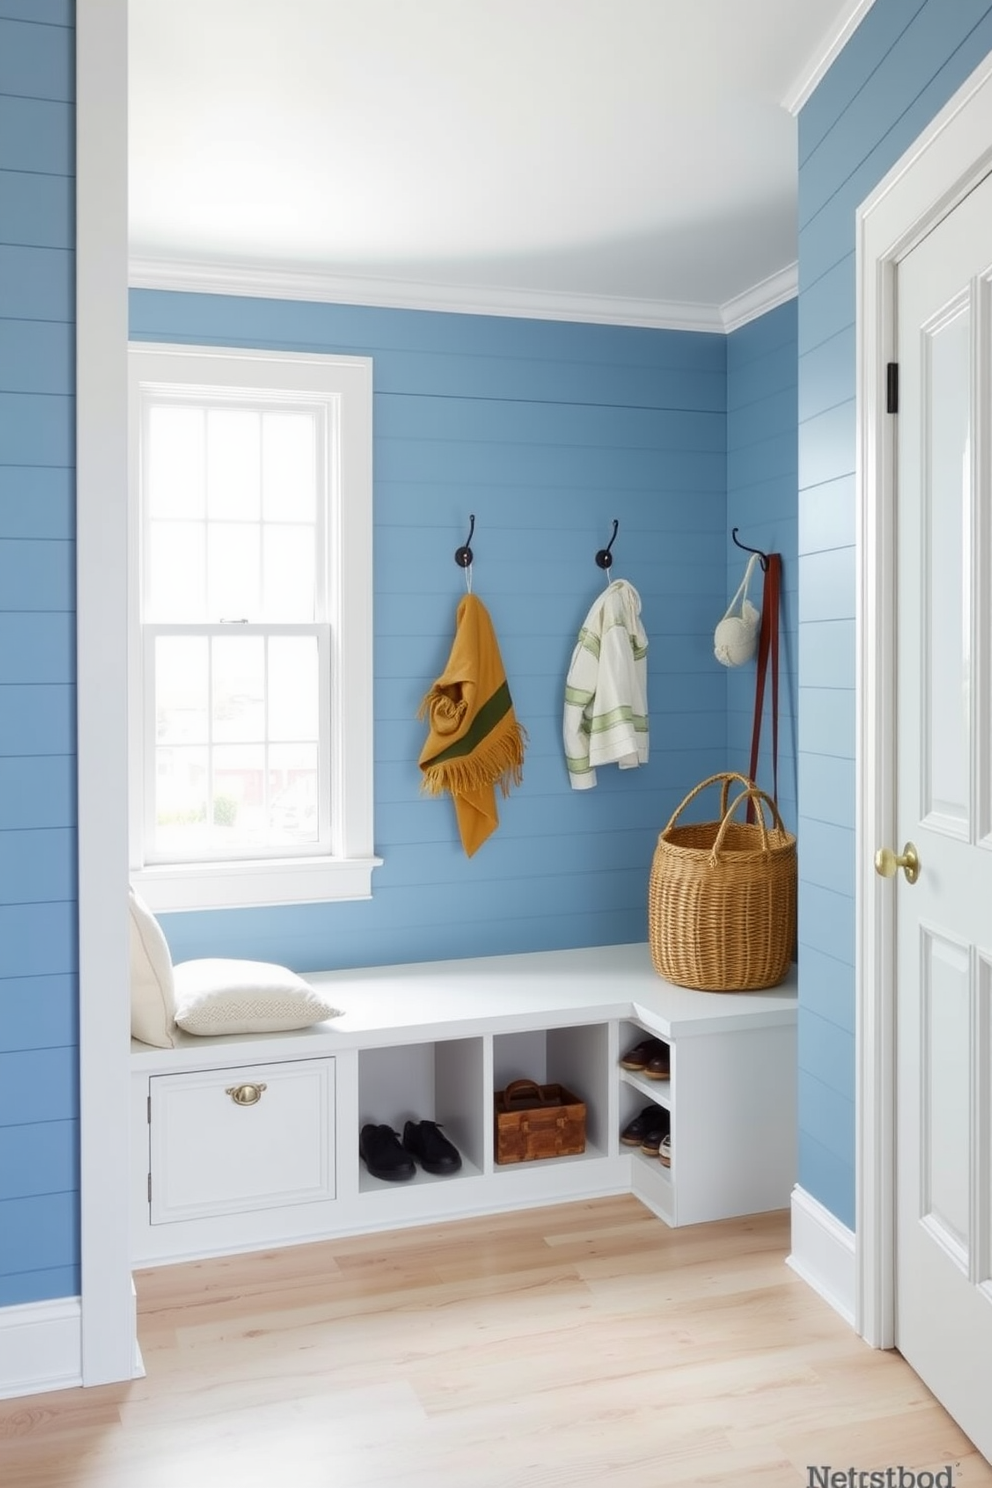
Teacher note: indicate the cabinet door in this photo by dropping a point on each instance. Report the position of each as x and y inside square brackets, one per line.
[231, 1140]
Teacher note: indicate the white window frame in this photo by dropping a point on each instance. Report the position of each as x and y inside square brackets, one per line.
[342, 386]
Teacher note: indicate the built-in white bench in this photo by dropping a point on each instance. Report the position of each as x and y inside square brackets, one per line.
[436, 1040]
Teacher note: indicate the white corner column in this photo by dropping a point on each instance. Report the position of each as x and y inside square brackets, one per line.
[107, 1303]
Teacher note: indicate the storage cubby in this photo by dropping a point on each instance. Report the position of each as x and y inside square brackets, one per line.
[574, 1057]
[440, 1081]
[659, 1091]
[635, 1093]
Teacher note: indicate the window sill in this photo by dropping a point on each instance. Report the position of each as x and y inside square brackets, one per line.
[179, 886]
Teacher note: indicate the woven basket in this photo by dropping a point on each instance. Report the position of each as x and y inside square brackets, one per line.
[722, 896]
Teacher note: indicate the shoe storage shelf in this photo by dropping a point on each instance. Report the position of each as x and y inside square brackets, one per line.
[243, 1143]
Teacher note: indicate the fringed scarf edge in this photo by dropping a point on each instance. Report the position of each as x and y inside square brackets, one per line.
[496, 761]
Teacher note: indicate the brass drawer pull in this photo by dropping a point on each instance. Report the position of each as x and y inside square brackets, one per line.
[245, 1095]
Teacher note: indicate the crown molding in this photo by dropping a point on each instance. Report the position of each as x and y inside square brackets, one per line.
[264, 282]
[767, 295]
[832, 44]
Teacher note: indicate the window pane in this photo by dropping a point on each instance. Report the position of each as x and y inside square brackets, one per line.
[288, 554]
[181, 690]
[233, 569]
[176, 572]
[289, 470]
[239, 796]
[239, 689]
[180, 801]
[233, 464]
[293, 688]
[175, 461]
[293, 815]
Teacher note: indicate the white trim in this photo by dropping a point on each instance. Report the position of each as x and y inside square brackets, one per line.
[176, 886]
[341, 388]
[107, 1306]
[947, 160]
[875, 808]
[262, 281]
[832, 44]
[40, 1347]
[768, 295]
[823, 1253]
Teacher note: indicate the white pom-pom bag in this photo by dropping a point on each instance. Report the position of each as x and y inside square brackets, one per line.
[735, 639]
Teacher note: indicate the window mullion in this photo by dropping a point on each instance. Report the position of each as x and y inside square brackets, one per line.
[149, 772]
[205, 534]
[326, 765]
[267, 732]
[262, 609]
[210, 737]
[323, 485]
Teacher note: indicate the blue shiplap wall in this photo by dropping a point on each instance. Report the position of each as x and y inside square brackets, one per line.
[546, 431]
[761, 502]
[898, 70]
[38, 1002]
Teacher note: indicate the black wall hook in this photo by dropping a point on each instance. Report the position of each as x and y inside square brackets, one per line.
[463, 556]
[604, 557]
[746, 549]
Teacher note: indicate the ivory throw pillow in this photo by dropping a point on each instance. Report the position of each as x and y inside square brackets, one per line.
[215, 995]
[152, 992]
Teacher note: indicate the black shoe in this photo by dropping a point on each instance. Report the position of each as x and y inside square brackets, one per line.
[635, 1131]
[434, 1152]
[380, 1150]
[656, 1137]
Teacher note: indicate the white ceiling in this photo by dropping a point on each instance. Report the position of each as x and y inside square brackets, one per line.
[628, 160]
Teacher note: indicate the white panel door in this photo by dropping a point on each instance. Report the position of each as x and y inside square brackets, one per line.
[944, 807]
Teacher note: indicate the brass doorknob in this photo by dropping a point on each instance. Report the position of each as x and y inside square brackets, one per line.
[887, 862]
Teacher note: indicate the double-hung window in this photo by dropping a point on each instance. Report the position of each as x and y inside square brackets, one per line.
[250, 627]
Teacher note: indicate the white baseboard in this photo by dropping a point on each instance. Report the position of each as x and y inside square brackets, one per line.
[823, 1254]
[40, 1347]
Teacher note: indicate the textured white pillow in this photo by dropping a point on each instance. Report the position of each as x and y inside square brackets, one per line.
[214, 995]
[153, 1000]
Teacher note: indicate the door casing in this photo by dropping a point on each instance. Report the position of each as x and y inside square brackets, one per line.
[107, 1306]
[951, 156]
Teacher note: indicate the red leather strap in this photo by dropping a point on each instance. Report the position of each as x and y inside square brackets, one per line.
[768, 643]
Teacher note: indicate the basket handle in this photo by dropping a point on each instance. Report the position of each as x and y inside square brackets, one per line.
[724, 778]
[518, 1088]
[761, 799]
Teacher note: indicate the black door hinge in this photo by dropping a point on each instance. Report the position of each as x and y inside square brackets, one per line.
[892, 387]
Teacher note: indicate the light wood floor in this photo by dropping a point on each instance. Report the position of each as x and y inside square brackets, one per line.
[578, 1346]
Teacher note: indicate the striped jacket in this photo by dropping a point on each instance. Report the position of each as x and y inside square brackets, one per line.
[606, 691]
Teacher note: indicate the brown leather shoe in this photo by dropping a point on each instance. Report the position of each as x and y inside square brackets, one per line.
[659, 1066]
[637, 1058]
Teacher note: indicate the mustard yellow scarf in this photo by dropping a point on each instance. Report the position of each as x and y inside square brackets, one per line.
[475, 742]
